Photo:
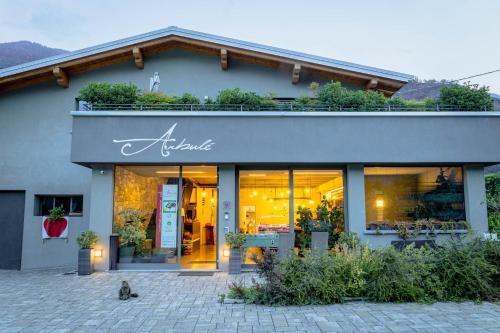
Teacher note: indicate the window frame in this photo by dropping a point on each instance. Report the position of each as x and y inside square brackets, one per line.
[448, 165]
[72, 197]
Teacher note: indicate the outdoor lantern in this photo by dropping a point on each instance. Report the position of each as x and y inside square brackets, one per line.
[379, 203]
[98, 253]
[225, 252]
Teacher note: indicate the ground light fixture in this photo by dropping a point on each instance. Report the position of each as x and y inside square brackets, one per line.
[97, 253]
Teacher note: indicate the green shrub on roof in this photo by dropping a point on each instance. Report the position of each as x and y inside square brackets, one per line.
[109, 93]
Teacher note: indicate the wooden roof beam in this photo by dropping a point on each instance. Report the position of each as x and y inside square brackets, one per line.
[296, 73]
[223, 59]
[61, 77]
[372, 84]
[138, 58]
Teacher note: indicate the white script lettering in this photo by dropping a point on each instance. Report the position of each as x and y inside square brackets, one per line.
[167, 144]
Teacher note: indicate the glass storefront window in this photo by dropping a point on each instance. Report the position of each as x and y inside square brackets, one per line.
[395, 195]
[146, 213]
[264, 207]
[317, 191]
[311, 188]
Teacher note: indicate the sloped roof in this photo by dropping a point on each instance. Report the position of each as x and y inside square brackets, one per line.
[156, 41]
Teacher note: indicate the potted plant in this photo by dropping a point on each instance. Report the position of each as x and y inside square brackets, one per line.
[132, 238]
[55, 225]
[235, 241]
[86, 240]
[407, 231]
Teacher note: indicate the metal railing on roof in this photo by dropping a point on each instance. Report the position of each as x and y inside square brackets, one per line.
[280, 106]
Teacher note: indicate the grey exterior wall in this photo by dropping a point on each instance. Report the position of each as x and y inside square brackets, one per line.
[288, 137]
[36, 125]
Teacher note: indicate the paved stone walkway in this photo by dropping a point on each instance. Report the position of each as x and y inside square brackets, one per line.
[47, 301]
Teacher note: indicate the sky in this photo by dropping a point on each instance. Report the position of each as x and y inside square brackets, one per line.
[439, 39]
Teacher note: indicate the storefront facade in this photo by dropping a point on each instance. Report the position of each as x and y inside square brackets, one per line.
[256, 172]
[211, 171]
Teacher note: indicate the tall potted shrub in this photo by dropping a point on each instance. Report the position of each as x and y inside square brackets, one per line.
[86, 240]
[235, 242]
[132, 238]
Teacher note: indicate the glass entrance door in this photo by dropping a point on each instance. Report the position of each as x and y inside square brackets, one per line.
[199, 217]
[166, 216]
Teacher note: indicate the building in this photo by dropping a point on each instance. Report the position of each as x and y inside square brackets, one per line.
[195, 175]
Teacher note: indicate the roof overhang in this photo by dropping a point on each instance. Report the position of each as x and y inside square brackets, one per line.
[137, 48]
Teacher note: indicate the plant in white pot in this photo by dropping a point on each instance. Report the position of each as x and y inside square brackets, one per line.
[86, 240]
[235, 242]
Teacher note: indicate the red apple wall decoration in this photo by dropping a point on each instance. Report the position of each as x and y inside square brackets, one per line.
[55, 225]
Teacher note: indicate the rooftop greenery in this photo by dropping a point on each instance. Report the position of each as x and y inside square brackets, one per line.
[331, 96]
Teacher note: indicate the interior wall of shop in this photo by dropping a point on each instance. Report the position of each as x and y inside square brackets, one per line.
[36, 125]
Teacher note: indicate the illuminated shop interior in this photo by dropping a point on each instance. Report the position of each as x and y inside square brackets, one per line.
[265, 197]
[140, 189]
[408, 194]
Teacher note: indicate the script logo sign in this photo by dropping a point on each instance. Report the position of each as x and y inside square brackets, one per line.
[167, 143]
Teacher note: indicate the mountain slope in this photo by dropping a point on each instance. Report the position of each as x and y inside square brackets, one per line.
[14, 53]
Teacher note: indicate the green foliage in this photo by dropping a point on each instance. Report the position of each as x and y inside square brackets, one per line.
[187, 98]
[348, 240]
[156, 98]
[235, 240]
[87, 239]
[493, 201]
[464, 270]
[133, 234]
[109, 93]
[338, 98]
[56, 213]
[466, 97]
[400, 276]
[456, 271]
[251, 100]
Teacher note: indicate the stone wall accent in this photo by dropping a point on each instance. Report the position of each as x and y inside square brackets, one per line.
[134, 191]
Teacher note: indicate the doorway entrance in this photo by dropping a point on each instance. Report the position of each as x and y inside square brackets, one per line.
[198, 217]
[166, 217]
[11, 222]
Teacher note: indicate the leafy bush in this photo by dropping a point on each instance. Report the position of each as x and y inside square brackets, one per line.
[338, 98]
[464, 270]
[156, 98]
[466, 97]
[56, 213]
[250, 99]
[394, 277]
[133, 235]
[456, 271]
[87, 239]
[109, 93]
[187, 98]
[235, 240]
[493, 201]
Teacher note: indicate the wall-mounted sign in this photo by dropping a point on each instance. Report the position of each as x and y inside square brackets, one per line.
[54, 229]
[168, 238]
[166, 143]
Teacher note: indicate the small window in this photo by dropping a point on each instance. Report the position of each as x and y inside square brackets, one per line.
[72, 204]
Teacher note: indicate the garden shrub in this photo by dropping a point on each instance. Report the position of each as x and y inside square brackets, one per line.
[466, 97]
[493, 201]
[464, 271]
[156, 98]
[250, 99]
[109, 93]
[394, 277]
[457, 270]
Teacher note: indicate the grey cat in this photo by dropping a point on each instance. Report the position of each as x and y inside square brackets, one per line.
[125, 292]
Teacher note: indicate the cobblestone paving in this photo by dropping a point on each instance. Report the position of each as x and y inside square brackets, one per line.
[47, 301]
